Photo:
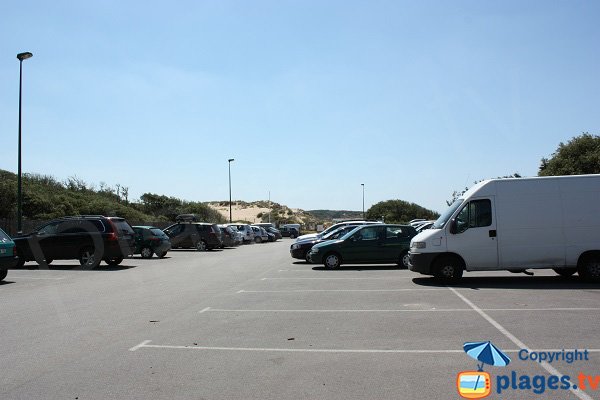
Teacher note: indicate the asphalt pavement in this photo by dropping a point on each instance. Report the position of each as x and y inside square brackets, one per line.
[253, 323]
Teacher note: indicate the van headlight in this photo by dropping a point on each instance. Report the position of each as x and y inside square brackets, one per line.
[418, 245]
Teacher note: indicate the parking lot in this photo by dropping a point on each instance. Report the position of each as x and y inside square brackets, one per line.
[253, 323]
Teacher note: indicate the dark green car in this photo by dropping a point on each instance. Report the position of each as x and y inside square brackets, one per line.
[376, 244]
[8, 255]
[150, 240]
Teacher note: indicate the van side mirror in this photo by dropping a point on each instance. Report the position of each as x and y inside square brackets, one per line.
[453, 226]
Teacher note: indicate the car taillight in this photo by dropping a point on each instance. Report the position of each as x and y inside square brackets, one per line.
[112, 236]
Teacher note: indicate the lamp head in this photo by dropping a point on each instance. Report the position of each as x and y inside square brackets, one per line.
[24, 56]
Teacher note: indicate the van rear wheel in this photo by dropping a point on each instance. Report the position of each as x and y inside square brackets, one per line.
[448, 269]
[589, 268]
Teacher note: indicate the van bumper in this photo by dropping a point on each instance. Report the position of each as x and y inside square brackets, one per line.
[422, 262]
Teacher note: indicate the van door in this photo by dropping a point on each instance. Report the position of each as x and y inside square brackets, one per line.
[473, 234]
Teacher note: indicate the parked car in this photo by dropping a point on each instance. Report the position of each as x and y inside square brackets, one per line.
[301, 249]
[227, 236]
[87, 238]
[238, 236]
[260, 235]
[288, 231]
[8, 255]
[379, 244]
[333, 228]
[199, 235]
[275, 232]
[246, 231]
[151, 240]
[424, 225]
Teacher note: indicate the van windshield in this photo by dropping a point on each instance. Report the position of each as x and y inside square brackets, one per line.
[441, 221]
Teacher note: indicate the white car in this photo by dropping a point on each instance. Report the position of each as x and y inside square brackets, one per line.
[246, 231]
[260, 234]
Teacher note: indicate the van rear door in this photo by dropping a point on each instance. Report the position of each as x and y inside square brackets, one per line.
[473, 234]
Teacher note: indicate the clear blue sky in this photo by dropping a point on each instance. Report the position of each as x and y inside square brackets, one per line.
[312, 98]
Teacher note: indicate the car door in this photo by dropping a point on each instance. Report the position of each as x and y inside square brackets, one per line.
[397, 240]
[364, 246]
[175, 235]
[46, 243]
[474, 234]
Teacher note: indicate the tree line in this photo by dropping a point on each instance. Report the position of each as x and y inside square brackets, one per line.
[45, 198]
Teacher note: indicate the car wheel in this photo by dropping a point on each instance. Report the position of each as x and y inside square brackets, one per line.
[257, 239]
[589, 268]
[292, 236]
[146, 252]
[88, 259]
[201, 246]
[566, 272]
[21, 262]
[332, 260]
[448, 269]
[114, 261]
[161, 254]
[306, 257]
[3, 273]
[404, 260]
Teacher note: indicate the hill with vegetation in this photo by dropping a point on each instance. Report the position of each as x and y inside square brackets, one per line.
[45, 198]
[330, 215]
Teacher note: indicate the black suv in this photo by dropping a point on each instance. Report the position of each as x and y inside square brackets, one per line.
[200, 235]
[87, 238]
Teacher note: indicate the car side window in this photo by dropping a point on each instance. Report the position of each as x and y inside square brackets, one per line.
[176, 230]
[394, 232]
[71, 227]
[367, 234]
[49, 229]
[476, 214]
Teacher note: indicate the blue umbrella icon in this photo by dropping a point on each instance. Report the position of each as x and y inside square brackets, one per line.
[487, 353]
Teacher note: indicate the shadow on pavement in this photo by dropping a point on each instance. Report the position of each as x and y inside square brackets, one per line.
[510, 282]
[359, 268]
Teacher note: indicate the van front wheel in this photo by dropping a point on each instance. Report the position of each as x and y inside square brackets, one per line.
[448, 269]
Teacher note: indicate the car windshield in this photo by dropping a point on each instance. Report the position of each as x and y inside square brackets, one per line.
[347, 235]
[3, 236]
[157, 232]
[441, 221]
[122, 226]
[337, 232]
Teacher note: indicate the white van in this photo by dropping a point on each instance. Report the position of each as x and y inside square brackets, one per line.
[514, 225]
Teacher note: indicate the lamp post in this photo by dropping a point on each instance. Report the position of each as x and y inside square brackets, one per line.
[229, 161]
[21, 57]
[363, 188]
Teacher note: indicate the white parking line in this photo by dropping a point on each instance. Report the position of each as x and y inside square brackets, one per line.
[325, 279]
[145, 344]
[338, 290]
[35, 277]
[550, 369]
[223, 310]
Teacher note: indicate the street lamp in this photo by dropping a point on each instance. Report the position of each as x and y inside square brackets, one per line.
[229, 161]
[363, 187]
[21, 57]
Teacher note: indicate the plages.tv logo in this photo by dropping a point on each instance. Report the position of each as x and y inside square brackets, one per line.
[478, 384]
